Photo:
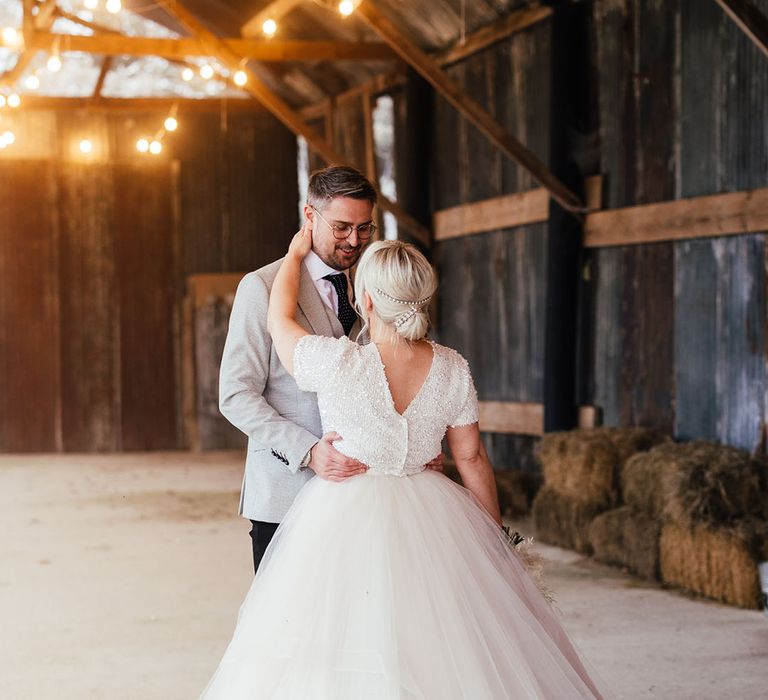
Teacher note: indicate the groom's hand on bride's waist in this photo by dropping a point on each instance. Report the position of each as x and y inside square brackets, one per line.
[436, 464]
[327, 462]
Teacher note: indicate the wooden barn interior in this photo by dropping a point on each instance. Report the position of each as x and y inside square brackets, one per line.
[589, 178]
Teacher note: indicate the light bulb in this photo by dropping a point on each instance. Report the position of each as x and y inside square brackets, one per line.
[240, 77]
[269, 27]
[11, 37]
[187, 74]
[346, 7]
[2, 101]
[7, 138]
[32, 82]
[114, 6]
[142, 145]
[54, 63]
[86, 146]
[90, 4]
[207, 71]
[155, 147]
[171, 124]
[13, 100]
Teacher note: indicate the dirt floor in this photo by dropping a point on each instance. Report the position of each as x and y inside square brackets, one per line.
[121, 577]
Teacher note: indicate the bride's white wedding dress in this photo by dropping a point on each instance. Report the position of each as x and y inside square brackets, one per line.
[395, 584]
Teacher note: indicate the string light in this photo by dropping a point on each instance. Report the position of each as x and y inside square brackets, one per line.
[90, 4]
[32, 82]
[171, 124]
[54, 63]
[7, 138]
[11, 37]
[346, 7]
[13, 100]
[2, 101]
[155, 147]
[114, 6]
[269, 27]
[86, 146]
[187, 74]
[240, 77]
[142, 145]
[207, 71]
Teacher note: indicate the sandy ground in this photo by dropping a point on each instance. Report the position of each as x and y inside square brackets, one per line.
[121, 576]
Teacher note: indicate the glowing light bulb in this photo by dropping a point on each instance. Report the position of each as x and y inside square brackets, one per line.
[2, 101]
[54, 63]
[155, 147]
[346, 7]
[240, 77]
[11, 37]
[207, 71]
[7, 138]
[114, 6]
[269, 27]
[86, 146]
[90, 4]
[32, 82]
[171, 124]
[142, 145]
[187, 74]
[13, 100]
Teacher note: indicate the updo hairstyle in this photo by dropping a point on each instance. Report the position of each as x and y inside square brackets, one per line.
[400, 282]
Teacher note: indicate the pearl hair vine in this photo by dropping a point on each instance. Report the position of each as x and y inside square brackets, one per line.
[406, 315]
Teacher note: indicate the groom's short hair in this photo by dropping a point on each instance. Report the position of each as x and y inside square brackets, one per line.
[338, 181]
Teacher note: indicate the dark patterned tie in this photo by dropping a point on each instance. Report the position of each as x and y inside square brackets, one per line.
[347, 315]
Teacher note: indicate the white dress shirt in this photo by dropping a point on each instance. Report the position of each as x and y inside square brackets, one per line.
[317, 270]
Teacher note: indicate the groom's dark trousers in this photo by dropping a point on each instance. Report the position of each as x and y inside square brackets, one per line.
[261, 536]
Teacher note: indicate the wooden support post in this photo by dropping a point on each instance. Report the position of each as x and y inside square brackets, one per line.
[467, 106]
[749, 19]
[106, 66]
[282, 111]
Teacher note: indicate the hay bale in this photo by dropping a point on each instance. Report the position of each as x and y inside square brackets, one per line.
[627, 538]
[697, 482]
[563, 520]
[587, 463]
[517, 489]
[719, 563]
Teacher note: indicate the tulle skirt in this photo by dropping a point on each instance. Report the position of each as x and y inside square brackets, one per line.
[383, 588]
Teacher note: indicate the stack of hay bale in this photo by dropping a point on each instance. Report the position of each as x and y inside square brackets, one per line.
[695, 515]
[582, 478]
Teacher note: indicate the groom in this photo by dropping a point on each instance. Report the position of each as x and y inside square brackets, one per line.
[256, 394]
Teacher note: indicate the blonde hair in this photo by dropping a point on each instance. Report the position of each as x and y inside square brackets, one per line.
[400, 282]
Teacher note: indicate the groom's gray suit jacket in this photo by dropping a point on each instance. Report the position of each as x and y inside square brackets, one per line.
[260, 398]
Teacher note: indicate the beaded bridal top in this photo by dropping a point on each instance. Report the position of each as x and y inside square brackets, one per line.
[354, 400]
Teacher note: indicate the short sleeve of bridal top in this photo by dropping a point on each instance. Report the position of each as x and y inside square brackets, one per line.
[355, 401]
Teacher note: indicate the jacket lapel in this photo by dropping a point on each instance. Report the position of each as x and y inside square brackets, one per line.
[314, 309]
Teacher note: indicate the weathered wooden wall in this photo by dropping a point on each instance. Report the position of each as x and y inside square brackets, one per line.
[94, 258]
[679, 328]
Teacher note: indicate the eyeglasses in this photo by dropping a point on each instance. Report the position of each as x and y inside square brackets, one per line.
[342, 231]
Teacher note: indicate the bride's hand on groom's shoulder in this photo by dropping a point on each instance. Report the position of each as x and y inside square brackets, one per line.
[328, 463]
[301, 243]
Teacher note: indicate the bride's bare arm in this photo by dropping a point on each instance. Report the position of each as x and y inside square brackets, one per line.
[281, 317]
[474, 467]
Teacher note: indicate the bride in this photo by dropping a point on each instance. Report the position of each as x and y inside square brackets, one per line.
[396, 583]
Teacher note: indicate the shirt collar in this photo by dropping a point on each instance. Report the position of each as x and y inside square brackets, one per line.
[317, 268]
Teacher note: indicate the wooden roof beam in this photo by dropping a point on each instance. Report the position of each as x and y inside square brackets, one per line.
[749, 19]
[142, 104]
[283, 112]
[42, 21]
[275, 10]
[178, 49]
[468, 107]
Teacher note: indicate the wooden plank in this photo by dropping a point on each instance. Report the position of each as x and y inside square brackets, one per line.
[106, 66]
[275, 104]
[141, 104]
[468, 107]
[726, 214]
[143, 252]
[179, 49]
[276, 10]
[30, 418]
[749, 19]
[507, 211]
[503, 28]
[509, 417]
[88, 308]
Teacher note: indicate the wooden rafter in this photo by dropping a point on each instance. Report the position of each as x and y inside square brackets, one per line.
[114, 44]
[142, 104]
[281, 110]
[106, 66]
[468, 107]
[42, 21]
[275, 10]
[749, 19]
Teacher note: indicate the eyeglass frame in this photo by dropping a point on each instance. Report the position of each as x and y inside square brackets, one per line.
[334, 228]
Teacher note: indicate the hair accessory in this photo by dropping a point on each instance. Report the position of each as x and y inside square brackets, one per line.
[418, 302]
